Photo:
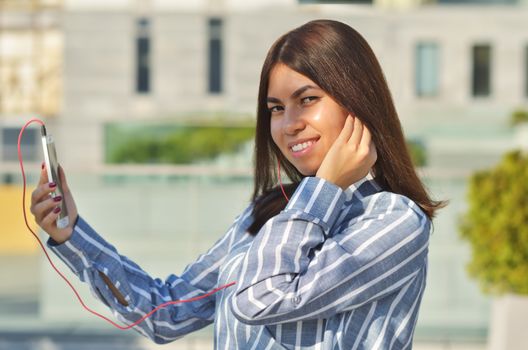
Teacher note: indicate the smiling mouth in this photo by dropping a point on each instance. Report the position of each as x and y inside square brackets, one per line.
[301, 149]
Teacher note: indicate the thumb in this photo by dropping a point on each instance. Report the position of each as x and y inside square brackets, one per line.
[62, 177]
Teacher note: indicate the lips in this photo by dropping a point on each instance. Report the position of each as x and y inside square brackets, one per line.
[302, 147]
[301, 141]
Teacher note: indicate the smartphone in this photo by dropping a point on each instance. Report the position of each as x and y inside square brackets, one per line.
[52, 168]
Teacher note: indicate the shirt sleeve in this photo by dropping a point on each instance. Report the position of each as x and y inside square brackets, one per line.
[301, 267]
[94, 260]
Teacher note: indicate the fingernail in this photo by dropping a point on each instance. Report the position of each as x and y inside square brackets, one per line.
[52, 184]
[57, 198]
[57, 210]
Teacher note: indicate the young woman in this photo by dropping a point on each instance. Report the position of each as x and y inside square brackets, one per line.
[337, 259]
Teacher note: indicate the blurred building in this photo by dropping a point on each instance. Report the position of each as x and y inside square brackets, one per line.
[457, 63]
[457, 69]
[31, 62]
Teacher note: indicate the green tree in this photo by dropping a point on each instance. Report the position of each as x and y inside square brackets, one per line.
[418, 152]
[496, 225]
[519, 116]
[183, 146]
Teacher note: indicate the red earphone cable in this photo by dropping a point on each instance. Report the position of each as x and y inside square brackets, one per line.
[280, 181]
[35, 120]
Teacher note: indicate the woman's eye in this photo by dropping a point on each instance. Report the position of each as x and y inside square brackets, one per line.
[308, 99]
[274, 108]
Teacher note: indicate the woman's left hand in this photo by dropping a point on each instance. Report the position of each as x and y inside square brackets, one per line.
[351, 156]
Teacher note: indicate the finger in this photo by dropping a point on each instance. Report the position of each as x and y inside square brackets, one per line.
[366, 137]
[37, 194]
[63, 180]
[50, 220]
[367, 144]
[43, 175]
[355, 139]
[347, 130]
[62, 177]
[372, 154]
[373, 151]
[41, 192]
[42, 209]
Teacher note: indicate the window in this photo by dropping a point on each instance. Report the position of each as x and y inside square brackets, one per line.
[426, 69]
[481, 79]
[143, 55]
[30, 145]
[215, 55]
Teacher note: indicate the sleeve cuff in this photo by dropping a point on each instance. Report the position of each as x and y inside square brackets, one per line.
[319, 199]
[52, 243]
[81, 249]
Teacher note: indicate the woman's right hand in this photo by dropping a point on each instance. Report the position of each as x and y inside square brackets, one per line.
[351, 156]
[46, 209]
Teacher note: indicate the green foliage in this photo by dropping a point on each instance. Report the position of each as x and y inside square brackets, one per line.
[519, 116]
[181, 146]
[496, 225]
[177, 144]
[418, 152]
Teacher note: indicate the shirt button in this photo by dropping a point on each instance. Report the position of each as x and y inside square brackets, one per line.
[297, 300]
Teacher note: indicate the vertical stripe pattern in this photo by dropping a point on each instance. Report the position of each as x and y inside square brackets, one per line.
[334, 270]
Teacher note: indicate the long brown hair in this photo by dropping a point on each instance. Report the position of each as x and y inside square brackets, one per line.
[340, 61]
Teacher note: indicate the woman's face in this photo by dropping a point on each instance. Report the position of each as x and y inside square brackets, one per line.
[305, 121]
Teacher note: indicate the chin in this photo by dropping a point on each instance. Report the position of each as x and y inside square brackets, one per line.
[305, 169]
[307, 172]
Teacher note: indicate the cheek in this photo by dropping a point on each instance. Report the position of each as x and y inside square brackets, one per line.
[333, 131]
[339, 127]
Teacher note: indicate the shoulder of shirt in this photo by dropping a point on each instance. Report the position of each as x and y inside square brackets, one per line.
[245, 218]
[388, 210]
[397, 203]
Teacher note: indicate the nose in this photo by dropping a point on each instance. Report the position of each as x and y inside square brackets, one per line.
[293, 121]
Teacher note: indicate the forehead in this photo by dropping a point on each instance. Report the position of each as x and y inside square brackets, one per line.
[284, 80]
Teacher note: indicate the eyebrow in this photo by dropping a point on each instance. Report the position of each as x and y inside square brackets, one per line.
[295, 94]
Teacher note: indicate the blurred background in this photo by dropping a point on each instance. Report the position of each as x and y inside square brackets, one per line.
[152, 104]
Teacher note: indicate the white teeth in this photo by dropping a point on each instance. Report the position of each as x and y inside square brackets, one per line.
[301, 146]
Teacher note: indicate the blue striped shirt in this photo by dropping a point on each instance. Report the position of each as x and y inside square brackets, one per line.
[336, 269]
